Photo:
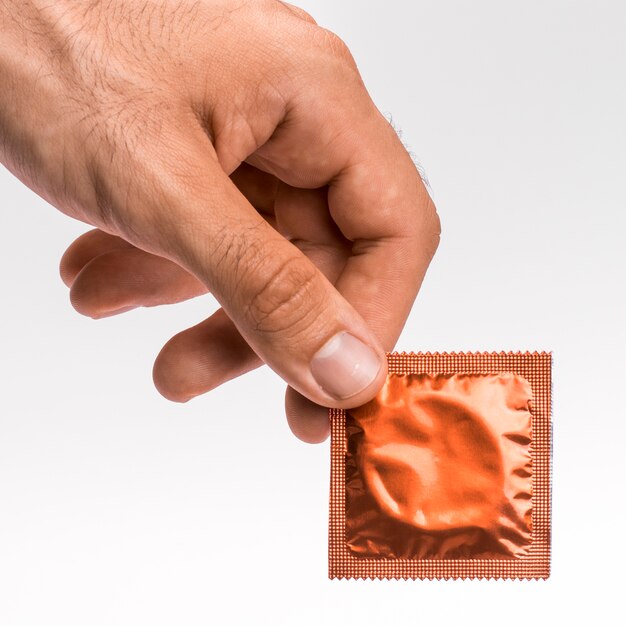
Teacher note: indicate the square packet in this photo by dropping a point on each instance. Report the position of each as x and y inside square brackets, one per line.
[446, 472]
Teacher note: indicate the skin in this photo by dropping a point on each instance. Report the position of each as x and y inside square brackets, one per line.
[223, 146]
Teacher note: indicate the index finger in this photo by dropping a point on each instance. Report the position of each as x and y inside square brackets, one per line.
[379, 202]
[376, 197]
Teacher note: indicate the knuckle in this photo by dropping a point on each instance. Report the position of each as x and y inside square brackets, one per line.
[432, 226]
[298, 12]
[286, 298]
[102, 201]
[335, 42]
[304, 15]
[336, 46]
[423, 225]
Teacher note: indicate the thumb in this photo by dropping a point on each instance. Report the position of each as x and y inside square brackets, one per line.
[283, 306]
[294, 318]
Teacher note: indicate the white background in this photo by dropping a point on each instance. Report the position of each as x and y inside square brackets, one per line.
[117, 507]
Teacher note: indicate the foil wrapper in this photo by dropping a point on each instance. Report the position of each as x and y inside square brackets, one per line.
[446, 472]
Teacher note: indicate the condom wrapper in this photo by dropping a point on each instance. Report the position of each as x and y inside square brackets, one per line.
[446, 472]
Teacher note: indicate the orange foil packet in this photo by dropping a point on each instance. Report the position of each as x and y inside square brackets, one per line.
[446, 472]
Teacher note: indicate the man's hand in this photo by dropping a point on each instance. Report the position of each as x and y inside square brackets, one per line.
[228, 146]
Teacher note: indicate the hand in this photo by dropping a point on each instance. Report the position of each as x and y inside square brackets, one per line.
[227, 146]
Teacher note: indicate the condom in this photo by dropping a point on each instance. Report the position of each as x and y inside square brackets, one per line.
[446, 472]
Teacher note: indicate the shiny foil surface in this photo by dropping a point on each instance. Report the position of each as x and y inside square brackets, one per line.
[438, 466]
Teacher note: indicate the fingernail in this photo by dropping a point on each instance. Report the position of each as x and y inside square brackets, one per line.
[344, 366]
